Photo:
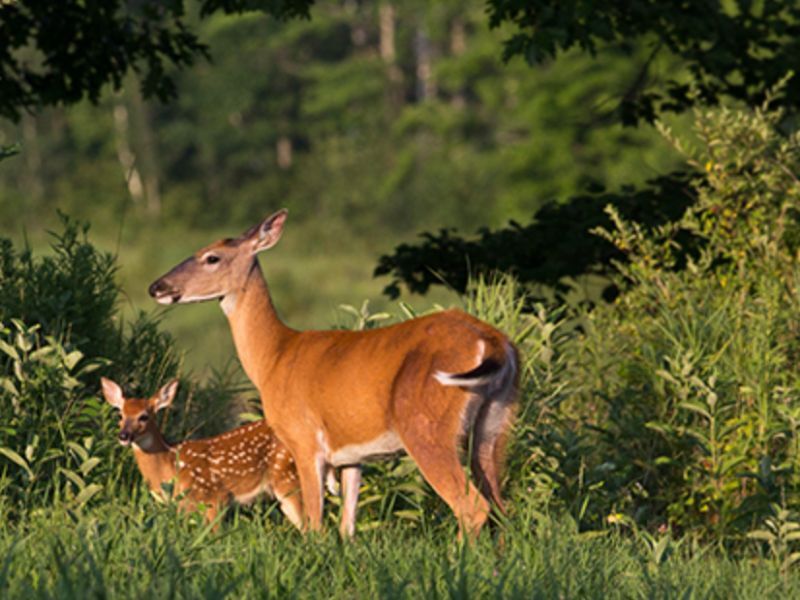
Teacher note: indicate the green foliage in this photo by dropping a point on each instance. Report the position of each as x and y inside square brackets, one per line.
[548, 255]
[682, 411]
[58, 328]
[71, 293]
[705, 35]
[781, 533]
[48, 428]
[104, 41]
[7, 151]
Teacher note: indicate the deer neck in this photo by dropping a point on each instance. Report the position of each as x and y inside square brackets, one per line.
[258, 332]
[155, 459]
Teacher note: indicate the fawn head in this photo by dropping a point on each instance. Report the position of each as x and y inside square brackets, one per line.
[136, 414]
[219, 269]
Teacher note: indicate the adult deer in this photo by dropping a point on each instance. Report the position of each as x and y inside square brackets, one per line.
[238, 465]
[339, 398]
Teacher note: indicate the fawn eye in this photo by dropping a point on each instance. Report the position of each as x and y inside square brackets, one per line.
[143, 418]
[212, 259]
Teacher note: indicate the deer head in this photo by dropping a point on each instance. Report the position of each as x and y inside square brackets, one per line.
[221, 269]
[136, 424]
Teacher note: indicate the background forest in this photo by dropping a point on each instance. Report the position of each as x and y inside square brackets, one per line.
[370, 122]
[615, 187]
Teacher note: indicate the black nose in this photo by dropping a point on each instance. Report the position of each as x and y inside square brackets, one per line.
[124, 436]
[156, 288]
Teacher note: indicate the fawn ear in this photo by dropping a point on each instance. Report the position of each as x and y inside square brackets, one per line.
[267, 233]
[165, 395]
[112, 393]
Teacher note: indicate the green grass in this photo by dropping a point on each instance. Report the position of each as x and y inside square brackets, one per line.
[142, 550]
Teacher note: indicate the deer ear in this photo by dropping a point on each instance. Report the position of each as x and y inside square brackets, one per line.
[165, 395]
[267, 233]
[113, 393]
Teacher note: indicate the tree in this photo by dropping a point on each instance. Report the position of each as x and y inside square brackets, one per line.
[738, 49]
[62, 52]
[728, 50]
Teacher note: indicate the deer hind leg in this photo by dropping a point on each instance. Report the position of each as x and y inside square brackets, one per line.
[433, 442]
[287, 492]
[441, 467]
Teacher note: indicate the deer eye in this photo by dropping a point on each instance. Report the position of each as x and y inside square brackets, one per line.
[212, 259]
[143, 418]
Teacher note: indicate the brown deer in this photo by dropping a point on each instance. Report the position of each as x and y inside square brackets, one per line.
[238, 465]
[339, 398]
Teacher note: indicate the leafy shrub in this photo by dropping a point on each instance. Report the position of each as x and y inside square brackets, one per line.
[59, 328]
[681, 407]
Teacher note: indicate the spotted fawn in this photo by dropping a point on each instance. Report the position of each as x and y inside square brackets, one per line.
[238, 465]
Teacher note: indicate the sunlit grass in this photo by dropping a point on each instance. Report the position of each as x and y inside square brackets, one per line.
[139, 549]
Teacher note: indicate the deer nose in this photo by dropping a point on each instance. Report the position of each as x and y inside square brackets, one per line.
[156, 288]
[124, 436]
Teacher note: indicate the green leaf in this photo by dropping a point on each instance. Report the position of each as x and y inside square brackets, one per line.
[87, 493]
[83, 455]
[761, 535]
[792, 559]
[73, 477]
[9, 350]
[72, 359]
[695, 407]
[87, 466]
[41, 353]
[16, 458]
[8, 385]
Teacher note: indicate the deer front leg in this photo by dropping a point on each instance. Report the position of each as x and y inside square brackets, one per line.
[351, 482]
[212, 510]
[310, 469]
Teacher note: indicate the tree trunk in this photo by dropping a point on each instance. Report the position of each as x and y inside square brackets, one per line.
[148, 150]
[33, 157]
[458, 46]
[283, 150]
[125, 154]
[426, 84]
[387, 18]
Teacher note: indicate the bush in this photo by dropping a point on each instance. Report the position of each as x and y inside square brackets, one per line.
[59, 328]
[680, 407]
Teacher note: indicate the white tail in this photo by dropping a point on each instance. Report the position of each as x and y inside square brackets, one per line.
[238, 465]
[339, 398]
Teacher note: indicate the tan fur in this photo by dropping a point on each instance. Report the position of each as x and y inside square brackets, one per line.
[346, 393]
[238, 465]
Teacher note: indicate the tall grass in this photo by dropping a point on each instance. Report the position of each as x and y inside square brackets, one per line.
[140, 549]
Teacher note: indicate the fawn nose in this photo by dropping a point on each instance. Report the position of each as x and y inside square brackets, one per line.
[124, 436]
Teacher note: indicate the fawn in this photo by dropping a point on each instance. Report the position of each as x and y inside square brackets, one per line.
[237, 465]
